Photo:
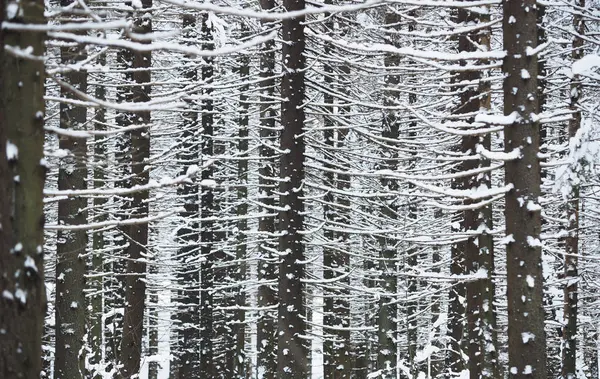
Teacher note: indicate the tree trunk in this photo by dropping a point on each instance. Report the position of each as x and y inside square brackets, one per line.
[135, 289]
[186, 347]
[207, 203]
[526, 338]
[115, 285]
[22, 175]
[267, 264]
[292, 350]
[336, 312]
[387, 333]
[478, 250]
[71, 244]
[571, 241]
[98, 236]
[239, 321]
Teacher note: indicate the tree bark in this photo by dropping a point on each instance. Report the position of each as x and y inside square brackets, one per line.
[188, 315]
[337, 362]
[98, 236]
[526, 338]
[267, 266]
[478, 250]
[387, 328]
[135, 288]
[22, 175]
[571, 241]
[70, 301]
[292, 350]
[239, 321]
[208, 209]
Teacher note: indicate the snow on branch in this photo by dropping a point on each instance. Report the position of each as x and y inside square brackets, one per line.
[583, 156]
[163, 45]
[249, 13]
[166, 182]
[410, 52]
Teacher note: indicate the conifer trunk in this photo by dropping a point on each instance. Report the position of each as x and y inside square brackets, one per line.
[22, 175]
[291, 328]
[526, 337]
[188, 314]
[135, 283]
[571, 242]
[387, 328]
[239, 321]
[208, 210]
[71, 244]
[267, 264]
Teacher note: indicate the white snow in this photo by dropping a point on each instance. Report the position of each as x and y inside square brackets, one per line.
[30, 263]
[527, 336]
[585, 64]
[21, 295]
[12, 10]
[208, 183]
[497, 119]
[7, 295]
[533, 242]
[12, 151]
[506, 240]
[533, 207]
[530, 281]
[192, 170]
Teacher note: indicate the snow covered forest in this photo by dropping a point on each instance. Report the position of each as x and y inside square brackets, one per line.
[299, 189]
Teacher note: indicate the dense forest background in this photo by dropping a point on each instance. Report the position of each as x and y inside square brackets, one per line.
[303, 189]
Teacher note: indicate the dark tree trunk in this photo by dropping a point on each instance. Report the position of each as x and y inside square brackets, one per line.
[571, 241]
[98, 236]
[208, 210]
[135, 284]
[69, 361]
[526, 338]
[292, 350]
[337, 362]
[188, 315]
[22, 175]
[115, 284]
[239, 321]
[478, 250]
[267, 264]
[436, 360]
[387, 328]
[412, 253]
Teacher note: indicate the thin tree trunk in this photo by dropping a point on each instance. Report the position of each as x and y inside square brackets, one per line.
[115, 285]
[267, 266]
[135, 289]
[526, 338]
[239, 321]
[456, 307]
[478, 250]
[207, 203]
[336, 311]
[22, 175]
[98, 236]
[387, 328]
[70, 304]
[571, 242]
[292, 350]
[436, 361]
[412, 258]
[186, 347]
